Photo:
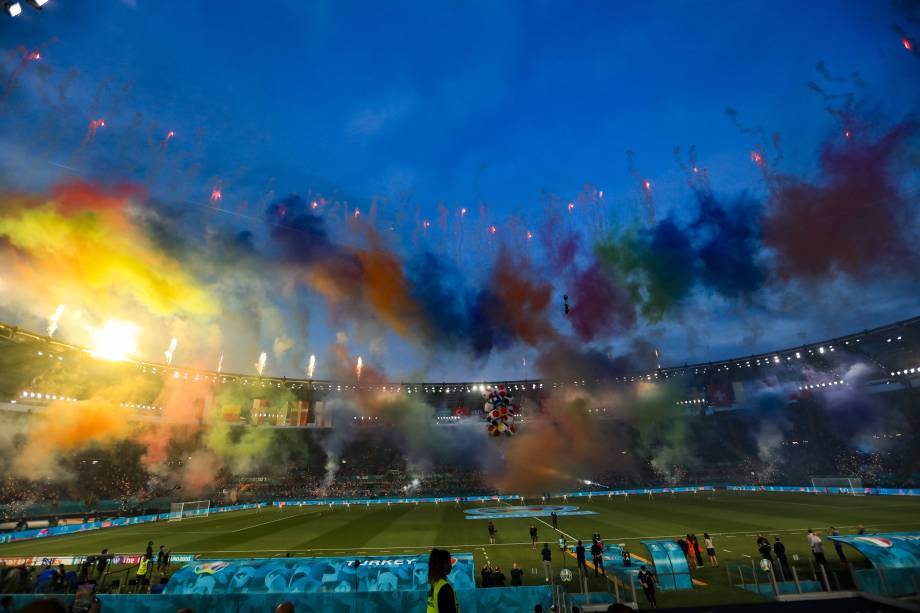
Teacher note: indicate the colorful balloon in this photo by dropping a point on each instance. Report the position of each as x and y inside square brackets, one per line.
[499, 411]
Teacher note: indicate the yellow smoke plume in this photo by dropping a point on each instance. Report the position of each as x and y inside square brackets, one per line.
[85, 245]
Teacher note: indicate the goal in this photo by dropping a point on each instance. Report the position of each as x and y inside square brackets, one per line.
[197, 508]
[839, 485]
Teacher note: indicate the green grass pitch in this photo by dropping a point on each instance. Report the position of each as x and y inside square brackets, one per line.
[732, 518]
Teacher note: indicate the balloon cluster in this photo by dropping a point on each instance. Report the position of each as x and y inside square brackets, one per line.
[500, 411]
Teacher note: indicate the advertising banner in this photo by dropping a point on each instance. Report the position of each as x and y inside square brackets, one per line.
[310, 575]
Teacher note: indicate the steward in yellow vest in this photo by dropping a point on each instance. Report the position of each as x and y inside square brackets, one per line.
[441, 596]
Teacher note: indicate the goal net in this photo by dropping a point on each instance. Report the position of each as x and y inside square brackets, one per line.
[181, 510]
[839, 485]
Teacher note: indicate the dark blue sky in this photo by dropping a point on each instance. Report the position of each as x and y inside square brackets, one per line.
[388, 99]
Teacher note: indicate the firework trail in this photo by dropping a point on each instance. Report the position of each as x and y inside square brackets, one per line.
[94, 125]
[765, 144]
[844, 105]
[461, 217]
[53, 322]
[169, 136]
[220, 363]
[260, 365]
[216, 193]
[358, 368]
[311, 366]
[169, 352]
[906, 41]
[697, 176]
[645, 186]
[28, 57]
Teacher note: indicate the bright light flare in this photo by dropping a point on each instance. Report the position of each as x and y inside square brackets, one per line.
[907, 43]
[216, 195]
[357, 213]
[13, 9]
[757, 158]
[311, 366]
[529, 235]
[53, 321]
[169, 352]
[220, 363]
[116, 341]
[358, 368]
[462, 211]
[33, 56]
[260, 365]
[571, 207]
[647, 185]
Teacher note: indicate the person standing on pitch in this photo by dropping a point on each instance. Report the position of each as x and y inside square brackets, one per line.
[441, 596]
[580, 558]
[547, 556]
[697, 550]
[533, 536]
[491, 533]
[517, 575]
[710, 550]
[597, 556]
[555, 519]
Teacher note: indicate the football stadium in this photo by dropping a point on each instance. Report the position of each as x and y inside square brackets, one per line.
[459, 307]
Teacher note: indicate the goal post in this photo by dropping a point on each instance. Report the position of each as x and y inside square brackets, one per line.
[183, 510]
[839, 485]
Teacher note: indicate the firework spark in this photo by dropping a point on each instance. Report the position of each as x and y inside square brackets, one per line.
[169, 352]
[260, 365]
[94, 125]
[358, 368]
[220, 363]
[53, 322]
[216, 194]
[311, 366]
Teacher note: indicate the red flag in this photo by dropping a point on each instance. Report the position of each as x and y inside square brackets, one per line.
[720, 394]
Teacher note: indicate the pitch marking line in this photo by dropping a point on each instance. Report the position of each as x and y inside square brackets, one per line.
[271, 521]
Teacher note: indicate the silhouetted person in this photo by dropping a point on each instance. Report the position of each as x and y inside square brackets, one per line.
[580, 558]
[780, 550]
[517, 575]
[647, 582]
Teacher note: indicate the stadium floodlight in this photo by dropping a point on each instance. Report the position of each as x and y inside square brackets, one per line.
[13, 9]
[37, 4]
